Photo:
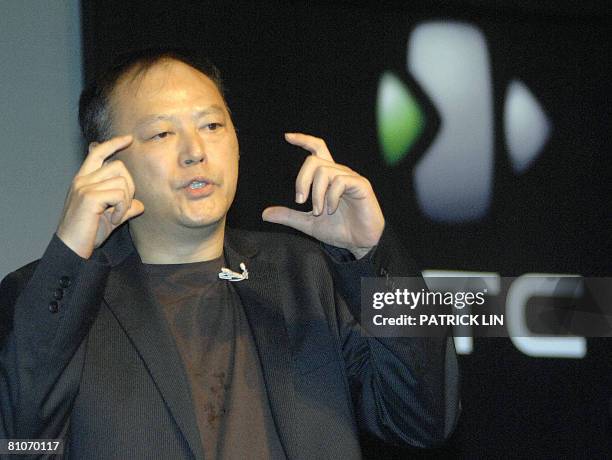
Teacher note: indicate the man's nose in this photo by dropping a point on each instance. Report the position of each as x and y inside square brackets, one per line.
[193, 149]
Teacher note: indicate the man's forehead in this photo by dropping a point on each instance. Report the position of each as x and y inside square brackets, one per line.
[167, 84]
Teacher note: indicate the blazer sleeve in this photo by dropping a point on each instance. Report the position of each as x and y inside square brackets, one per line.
[404, 389]
[48, 309]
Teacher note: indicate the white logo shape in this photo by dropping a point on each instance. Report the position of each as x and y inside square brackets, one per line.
[526, 126]
[454, 178]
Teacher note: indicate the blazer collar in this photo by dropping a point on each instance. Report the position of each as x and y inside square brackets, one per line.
[136, 310]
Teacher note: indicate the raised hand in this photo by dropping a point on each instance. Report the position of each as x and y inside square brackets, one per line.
[345, 212]
[100, 198]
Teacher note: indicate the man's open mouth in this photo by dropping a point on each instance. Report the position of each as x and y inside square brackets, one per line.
[197, 184]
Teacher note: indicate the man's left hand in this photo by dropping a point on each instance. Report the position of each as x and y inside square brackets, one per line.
[345, 212]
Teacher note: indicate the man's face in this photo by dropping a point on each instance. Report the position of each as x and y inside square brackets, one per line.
[184, 157]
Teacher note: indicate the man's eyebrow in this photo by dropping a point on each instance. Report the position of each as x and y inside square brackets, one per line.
[152, 119]
[208, 110]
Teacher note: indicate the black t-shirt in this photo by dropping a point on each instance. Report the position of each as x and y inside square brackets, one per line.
[213, 337]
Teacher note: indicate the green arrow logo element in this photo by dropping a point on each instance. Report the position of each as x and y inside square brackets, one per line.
[400, 118]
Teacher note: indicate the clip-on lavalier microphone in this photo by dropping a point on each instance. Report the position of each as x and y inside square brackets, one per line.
[227, 274]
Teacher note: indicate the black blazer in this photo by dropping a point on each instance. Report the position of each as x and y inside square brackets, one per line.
[88, 358]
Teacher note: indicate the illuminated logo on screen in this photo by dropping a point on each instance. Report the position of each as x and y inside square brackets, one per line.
[522, 289]
[453, 178]
[449, 74]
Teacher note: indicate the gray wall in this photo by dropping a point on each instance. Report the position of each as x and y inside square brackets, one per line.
[40, 82]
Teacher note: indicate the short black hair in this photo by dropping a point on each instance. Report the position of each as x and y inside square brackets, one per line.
[94, 113]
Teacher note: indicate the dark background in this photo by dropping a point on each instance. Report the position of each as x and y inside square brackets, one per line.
[314, 67]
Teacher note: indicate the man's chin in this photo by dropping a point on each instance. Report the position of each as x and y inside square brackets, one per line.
[202, 221]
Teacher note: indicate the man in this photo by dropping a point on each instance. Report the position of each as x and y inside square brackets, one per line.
[124, 340]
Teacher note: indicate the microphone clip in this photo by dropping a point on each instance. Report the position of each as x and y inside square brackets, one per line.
[227, 274]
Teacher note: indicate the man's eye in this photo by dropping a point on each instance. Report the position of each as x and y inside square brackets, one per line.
[212, 126]
[161, 135]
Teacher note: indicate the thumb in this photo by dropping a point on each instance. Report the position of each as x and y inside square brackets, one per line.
[135, 209]
[301, 221]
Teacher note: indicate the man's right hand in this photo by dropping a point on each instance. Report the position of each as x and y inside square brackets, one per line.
[100, 199]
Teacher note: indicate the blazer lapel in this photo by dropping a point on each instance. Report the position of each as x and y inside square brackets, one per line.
[141, 318]
[138, 313]
[260, 298]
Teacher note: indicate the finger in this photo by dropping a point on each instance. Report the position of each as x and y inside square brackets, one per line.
[100, 152]
[301, 221]
[108, 171]
[103, 199]
[112, 185]
[121, 209]
[353, 186]
[314, 145]
[320, 182]
[304, 179]
[305, 176]
[136, 209]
